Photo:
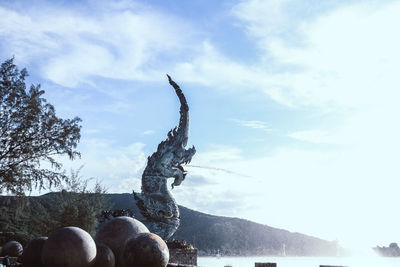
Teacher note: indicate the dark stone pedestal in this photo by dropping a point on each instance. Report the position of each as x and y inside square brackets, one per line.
[179, 265]
[265, 264]
[183, 256]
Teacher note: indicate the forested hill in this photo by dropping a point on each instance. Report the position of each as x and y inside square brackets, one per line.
[208, 233]
[233, 236]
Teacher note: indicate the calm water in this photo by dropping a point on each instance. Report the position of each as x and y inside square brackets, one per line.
[300, 261]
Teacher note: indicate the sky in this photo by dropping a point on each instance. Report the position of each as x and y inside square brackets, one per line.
[293, 104]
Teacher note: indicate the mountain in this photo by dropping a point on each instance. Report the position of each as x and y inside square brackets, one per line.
[210, 233]
[234, 236]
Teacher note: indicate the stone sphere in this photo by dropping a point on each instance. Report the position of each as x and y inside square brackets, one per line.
[146, 250]
[69, 247]
[33, 251]
[116, 232]
[12, 249]
[105, 257]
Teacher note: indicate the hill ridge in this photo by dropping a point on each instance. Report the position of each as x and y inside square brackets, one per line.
[230, 236]
[235, 236]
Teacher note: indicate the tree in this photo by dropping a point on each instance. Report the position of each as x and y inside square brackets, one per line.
[75, 205]
[78, 205]
[31, 134]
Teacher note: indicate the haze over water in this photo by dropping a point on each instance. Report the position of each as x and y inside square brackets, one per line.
[300, 261]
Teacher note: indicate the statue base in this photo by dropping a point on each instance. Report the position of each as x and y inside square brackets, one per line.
[182, 257]
[179, 265]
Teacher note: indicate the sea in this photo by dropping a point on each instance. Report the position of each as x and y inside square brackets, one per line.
[372, 261]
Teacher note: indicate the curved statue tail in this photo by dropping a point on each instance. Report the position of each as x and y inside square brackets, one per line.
[183, 127]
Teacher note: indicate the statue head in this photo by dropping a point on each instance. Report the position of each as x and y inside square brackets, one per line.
[182, 156]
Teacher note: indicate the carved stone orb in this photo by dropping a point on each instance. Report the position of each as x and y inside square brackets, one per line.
[69, 247]
[146, 250]
[12, 249]
[33, 251]
[116, 232]
[105, 257]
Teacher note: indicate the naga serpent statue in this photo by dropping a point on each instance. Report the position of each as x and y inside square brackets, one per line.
[156, 202]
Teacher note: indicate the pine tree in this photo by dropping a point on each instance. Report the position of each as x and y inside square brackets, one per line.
[31, 134]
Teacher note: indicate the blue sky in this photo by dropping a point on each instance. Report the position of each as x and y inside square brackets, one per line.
[293, 104]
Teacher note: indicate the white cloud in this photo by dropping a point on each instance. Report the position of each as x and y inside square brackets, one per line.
[120, 107]
[314, 136]
[118, 168]
[342, 60]
[211, 68]
[149, 132]
[262, 18]
[73, 47]
[224, 190]
[254, 124]
[218, 153]
[347, 57]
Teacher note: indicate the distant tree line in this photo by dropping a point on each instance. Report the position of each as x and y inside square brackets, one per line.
[238, 237]
[23, 218]
[392, 251]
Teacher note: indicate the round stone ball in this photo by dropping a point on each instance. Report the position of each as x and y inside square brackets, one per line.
[33, 251]
[12, 249]
[116, 232]
[105, 257]
[69, 247]
[146, 250]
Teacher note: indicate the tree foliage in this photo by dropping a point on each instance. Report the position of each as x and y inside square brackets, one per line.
[392, 251]
[79, 206]
[23, 218]
[31, 134]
